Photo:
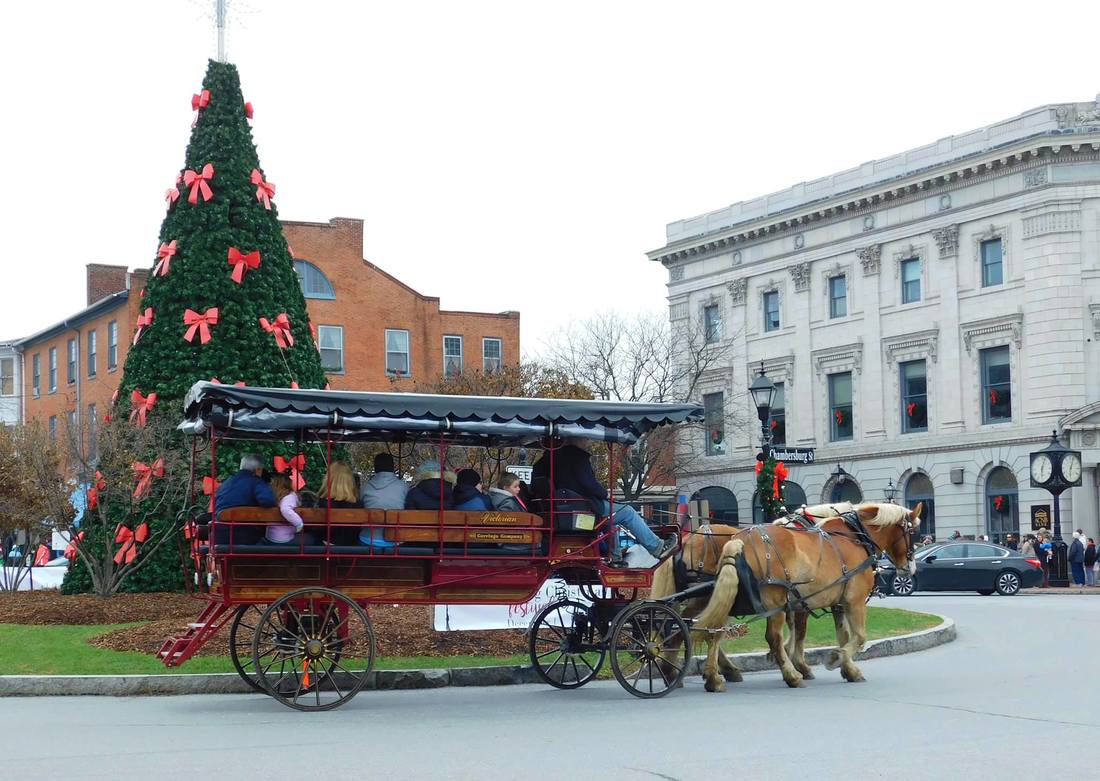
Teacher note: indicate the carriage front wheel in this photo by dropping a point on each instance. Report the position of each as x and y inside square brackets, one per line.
[313, 649]
[650, 649]
[566, 647]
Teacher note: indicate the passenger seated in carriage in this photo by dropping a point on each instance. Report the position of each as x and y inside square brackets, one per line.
[468, 495]
[244, 489]
[290, 531]
[426, 494]
[338, 492]
[385, 490]
[506, 496]
[573, 472]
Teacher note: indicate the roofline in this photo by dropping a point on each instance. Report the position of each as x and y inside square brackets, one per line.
[506, 315]
[99, 307]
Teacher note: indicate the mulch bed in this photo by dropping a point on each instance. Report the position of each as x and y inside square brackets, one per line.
[404, 630]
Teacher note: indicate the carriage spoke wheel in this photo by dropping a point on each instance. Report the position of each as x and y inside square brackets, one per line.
[643, 633]
[565, 645]
[313, 649]
[240, 644]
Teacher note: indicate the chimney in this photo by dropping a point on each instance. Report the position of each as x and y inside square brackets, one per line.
[104, 280]
[137, 279]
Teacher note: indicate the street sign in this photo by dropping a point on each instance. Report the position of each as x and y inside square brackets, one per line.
[792, 455]
[522, 472]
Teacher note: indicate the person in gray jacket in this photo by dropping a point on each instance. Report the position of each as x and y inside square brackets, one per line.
[384, 491]
[505, 497]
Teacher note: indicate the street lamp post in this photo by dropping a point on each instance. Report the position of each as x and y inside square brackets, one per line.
[891, 491]
[1056, 468]
[763, 394]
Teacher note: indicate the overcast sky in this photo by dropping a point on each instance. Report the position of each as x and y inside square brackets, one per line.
[505, 155]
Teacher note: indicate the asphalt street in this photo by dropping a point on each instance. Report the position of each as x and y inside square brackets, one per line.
[1014, 696]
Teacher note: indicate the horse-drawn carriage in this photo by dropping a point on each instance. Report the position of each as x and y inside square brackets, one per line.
[299, 628]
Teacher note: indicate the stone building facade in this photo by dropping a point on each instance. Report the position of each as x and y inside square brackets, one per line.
[931, 318]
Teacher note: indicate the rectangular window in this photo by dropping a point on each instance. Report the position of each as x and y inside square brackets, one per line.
[838, 296]
[840, 406]
[771, 310]
[330, 338]
[914, 396]
[71, 365]
[53, 370]
[910, 280]
[112, 345]
[36, 375]
[452, 355]
[53, 428]
[7, 376]
[778, 424]
[715, 417]
[91, 353]
[397, 353]
[93, 426]
[712, 323]
[492, 352]
[996, 385]
[992, 263]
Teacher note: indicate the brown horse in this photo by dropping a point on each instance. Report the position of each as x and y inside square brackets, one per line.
[837, 572]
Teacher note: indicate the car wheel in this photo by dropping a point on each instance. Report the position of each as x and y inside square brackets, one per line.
[903, 585]
[1008, 583]
[985, 592]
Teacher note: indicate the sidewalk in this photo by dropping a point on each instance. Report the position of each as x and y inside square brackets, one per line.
[1094, 590]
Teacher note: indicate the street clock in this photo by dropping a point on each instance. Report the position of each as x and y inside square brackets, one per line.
[1055, 467]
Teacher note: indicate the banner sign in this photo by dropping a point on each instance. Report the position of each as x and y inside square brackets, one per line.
[472, 617]
[1040, 517]
[522, 472]
[793, 455]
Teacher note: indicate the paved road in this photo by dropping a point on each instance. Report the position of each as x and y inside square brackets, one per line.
[973, 710]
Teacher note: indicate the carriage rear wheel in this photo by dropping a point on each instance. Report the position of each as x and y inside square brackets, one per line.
[240, 644]
[313, 649]
[650, 649]
[566, 647]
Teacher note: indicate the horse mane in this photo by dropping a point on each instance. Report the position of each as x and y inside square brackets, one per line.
[819, 513]
[884, 514]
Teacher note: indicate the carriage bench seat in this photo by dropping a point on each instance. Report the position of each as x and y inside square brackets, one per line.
[489, 527]
[313, 516]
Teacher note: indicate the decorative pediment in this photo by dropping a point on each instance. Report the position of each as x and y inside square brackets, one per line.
[913, 251]
[908, 347]
[847, 357]
[779, 369]
[993, 331]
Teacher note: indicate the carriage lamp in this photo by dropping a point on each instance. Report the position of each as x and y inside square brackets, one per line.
[891, 491]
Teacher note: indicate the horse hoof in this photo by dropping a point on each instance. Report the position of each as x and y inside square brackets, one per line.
[733, 677]
[807, 674]
[857, 678]
[832, 661]
[715, 686]
[796, 683]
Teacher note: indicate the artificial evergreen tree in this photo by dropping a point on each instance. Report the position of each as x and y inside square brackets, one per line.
[223, 300]
[770, 475]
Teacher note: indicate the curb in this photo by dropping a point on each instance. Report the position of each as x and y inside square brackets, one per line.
[231, 683]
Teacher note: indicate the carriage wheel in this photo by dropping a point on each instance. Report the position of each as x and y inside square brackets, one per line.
[565, 644]
[313, 649]
[240, 644]
[642, 634]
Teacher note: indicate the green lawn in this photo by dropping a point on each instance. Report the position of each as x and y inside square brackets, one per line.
[64, 650]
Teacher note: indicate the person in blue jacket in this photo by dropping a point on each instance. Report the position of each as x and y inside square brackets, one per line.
[468, 495]
[247, 488]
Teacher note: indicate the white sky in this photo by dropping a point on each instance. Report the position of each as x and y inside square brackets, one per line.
[505, 155]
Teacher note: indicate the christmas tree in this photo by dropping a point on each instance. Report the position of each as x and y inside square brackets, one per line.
[223, 301]
[770, 475]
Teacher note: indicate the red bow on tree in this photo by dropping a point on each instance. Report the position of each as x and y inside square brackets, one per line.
[910, 408]
[144, 320]
[313, 333]
[198, 183]
[294, 385]
[70, 549]
[998, 502]
[200, 323]
[210, 488]
[145, 475]
[140, 406]
[839, 415]
[281, 329]
[781, 474]
[327, 386]
[295, 465]
[171, 195]
[993, 397]
[248, 110]
[240, 262]
[265, 191]
[93, 492]
[200, 101]
[129, 541]
[165, 253]
[759, 467]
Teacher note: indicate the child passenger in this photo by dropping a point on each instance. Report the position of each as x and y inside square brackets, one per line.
[285, 533]
[506, 496]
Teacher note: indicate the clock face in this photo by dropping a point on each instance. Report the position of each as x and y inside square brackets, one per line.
[1041, 469]
[1071, 468]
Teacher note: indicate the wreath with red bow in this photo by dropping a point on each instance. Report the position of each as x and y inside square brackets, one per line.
[999, 503]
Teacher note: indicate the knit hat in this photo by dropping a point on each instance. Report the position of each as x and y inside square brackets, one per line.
[383, 462]
[429, 470]
[468, 477]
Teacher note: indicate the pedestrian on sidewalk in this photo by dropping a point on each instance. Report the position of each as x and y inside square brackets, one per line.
[1012, 542]
[1027, 548]
[1090, 562]
[1042, 553]
[1076, 558]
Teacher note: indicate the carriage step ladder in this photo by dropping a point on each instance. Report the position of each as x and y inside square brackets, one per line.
[177, 650]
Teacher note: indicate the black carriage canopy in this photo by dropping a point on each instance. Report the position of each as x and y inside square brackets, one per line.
[315, 415]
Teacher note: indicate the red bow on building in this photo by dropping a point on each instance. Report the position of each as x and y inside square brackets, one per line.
[265, 191]
[774, 424]
[910, 408]
[240, 262]
[200, 101]
[70, 549]
[140, 406]
[166, 252]
[171, 195]
[200, 323]
[993, 397]
[998, 502]
[198, 183]
[248, 110]
[295, 465]
[281, 329]
[210, 488]
[839, 415]
[129, 541]
[145, 475]
[144, 320]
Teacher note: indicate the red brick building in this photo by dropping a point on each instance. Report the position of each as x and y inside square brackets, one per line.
[375, 332]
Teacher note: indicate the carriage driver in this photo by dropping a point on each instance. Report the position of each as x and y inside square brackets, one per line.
[573, 471]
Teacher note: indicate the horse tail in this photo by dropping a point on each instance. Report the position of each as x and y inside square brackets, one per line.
[726, 581]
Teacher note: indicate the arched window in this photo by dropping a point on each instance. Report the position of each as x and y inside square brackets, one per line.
[314, 282]
[918, 488]
[723, 503]
[793, 498]
[1001, 501]
[846, 491]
